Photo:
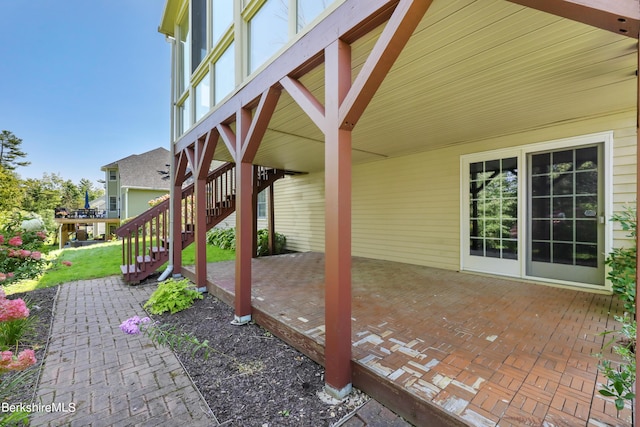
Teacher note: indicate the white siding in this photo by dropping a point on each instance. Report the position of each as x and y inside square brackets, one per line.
[407, 209]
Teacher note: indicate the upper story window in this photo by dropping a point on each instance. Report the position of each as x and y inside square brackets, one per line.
[185, 115]
[203, 97]
[307, 10]
[268, 32]
[113, 175]
[221, 18]
[184, 54]
[199, 32]
[224, 74]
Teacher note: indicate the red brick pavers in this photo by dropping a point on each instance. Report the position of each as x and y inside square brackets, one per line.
[107, 377]
[490, 351]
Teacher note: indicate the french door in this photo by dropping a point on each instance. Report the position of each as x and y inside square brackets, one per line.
[566, 215]
[537, 212]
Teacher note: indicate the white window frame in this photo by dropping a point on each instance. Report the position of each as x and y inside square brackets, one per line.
[521, 152]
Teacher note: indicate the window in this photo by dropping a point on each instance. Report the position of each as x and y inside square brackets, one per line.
[268, 32]
[262, 205]
[185, 115]
[222, 18]
[183, 54]
[203, 97]
[493, 209]
[113, 203]
[308, 10]
[199, 32]
[113, 175]
[224, 74]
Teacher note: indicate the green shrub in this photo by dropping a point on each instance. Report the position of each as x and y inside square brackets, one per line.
[225, 238]
[622, 274]
[622, 261]
[263, 243]
[172, 296]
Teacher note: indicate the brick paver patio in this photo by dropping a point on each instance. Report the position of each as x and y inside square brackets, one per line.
[484, 350]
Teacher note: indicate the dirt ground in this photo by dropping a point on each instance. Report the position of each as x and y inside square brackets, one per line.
[251, 378]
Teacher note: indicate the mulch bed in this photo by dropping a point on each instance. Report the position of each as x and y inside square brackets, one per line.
[253, 378]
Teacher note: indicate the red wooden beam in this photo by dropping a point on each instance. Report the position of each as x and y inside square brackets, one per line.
[244, 218]
[261, 118]
[337, 223]
[618, 16]
[305, 99]
[228, 137]
[180, 166]
[205, 147]
[394, 37]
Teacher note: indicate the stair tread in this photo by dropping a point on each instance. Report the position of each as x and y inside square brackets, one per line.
[143, 259]
[129, 269]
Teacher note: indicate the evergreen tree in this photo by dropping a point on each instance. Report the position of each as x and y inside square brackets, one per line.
[10, 152]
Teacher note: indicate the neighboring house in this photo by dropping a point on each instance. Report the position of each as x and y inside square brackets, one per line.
[482, 136]
[99, 205]
[131, 182]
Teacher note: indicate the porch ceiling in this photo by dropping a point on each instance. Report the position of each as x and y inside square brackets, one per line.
[472, 71]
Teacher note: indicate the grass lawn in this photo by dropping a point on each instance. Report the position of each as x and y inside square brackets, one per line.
[100, 260]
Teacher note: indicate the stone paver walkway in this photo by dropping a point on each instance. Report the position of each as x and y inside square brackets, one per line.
[95, 375]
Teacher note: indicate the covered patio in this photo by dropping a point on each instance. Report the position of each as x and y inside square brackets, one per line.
[445, 348]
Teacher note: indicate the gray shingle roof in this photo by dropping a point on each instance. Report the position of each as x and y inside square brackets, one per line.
[141, 170]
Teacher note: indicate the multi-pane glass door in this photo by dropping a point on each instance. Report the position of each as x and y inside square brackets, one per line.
[537, 214]
[566, 215]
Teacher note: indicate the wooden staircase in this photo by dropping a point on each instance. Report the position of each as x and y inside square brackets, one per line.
[145, 239]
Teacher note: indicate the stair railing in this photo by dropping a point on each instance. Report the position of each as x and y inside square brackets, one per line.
[145, 239]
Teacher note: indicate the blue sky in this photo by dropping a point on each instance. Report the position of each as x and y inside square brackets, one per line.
[83, 82]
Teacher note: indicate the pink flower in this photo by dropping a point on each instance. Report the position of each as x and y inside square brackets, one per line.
[41, 235]
[2, 294]
[36, 255]
[12, 309]
[15, 241]
[1, 239]
[8, 362]
[67, 263]
[10, 275]
[25, 253]
[3, 277]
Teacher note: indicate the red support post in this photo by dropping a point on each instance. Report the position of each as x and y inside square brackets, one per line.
[337, 223]
[244, 241]
[200, 197]
[244, 219]
[176, 208]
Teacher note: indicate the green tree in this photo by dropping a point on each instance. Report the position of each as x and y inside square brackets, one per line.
[11, 193]
[86, 185]
[41, 195]
[10, 152]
